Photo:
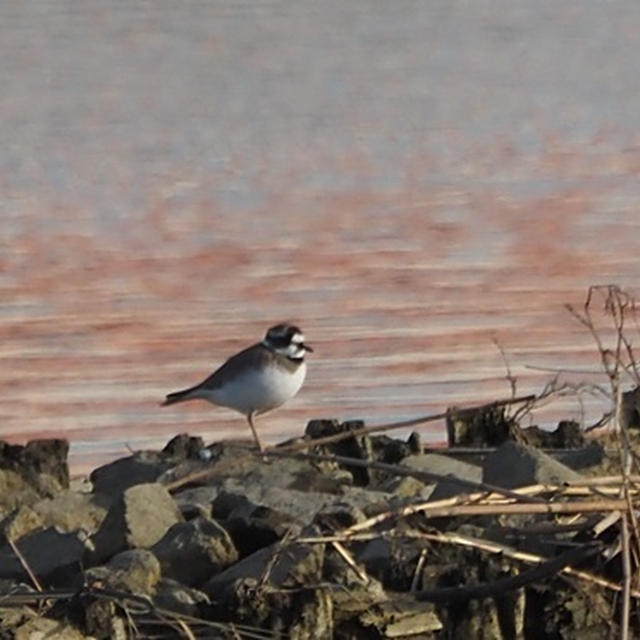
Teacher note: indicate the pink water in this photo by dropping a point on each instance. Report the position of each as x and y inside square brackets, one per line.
[406, 185]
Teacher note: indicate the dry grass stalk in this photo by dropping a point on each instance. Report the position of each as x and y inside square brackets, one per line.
[418, 570]
[616, 361]
[577, 506]
[481, 504]
[346, 556]
[186, 630]
[626, 580]
[602, 480]
[608, 521]
[25, 565]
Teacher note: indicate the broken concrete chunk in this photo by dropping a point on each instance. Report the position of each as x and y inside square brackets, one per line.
[15, 491]
[192, 552]
[280, 565]
[70, 511]
[42, 463]
[136, 571]
[139, 518]
[141, 468]
[178, 598]
[37, 628]
[518, 465]
[445, 466]
[50, 554]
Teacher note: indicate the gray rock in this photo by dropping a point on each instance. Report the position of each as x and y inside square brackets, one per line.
[276, 588]
[42, 463]
[21, 522]
[263, 514]
[252, 525]
[140, 468]
[359, 447]
[37, 628]
[184, 446]
[191, 552]
[583, 458]
[445, 466]
[567, 435]
[50, 554]
[174, 596]
[196, 501]
[403, 617]
[106, 619]
[67, 511]
[357, 597]
[300, 506]
[231, 462]
[407, 487]
[138, 519]
[300, 475]
[370, 502]
[629, 414]
[518, 465]
[15, 491]
[337, 516]
[136, 571]
[279, 566]
[487, 426]
[375, 556]
[391, 561]
[70, 511]
[308, 615]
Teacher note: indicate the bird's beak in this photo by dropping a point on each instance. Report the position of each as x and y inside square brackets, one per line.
[306, 347]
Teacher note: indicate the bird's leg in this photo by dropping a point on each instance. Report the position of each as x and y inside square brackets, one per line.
[253, 430]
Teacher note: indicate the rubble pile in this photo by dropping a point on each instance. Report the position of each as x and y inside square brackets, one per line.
[365, 537]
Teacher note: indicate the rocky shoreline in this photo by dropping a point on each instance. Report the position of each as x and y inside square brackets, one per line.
[509, 533]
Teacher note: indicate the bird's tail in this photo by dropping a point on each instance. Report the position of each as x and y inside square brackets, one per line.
[179, 396]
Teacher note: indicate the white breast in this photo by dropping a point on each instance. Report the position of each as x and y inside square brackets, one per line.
[258, 390]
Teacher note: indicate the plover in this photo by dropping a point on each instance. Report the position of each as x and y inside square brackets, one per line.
[257, 379]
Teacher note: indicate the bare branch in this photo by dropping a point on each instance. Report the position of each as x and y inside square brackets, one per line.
[513, 382]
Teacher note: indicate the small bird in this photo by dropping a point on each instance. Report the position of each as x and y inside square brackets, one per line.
[257, 379]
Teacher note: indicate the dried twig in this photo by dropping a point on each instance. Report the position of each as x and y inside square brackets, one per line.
[418, 570]
[346, 556]
[626, 580]
[576, 506]
[511, 379]
[25, 564]
[620, 358]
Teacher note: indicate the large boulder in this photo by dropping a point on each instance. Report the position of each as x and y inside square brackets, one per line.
[138, 519]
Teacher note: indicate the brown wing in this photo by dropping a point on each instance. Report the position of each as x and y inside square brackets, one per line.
[254, 356]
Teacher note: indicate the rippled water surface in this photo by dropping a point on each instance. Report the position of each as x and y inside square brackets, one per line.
[407, 181]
